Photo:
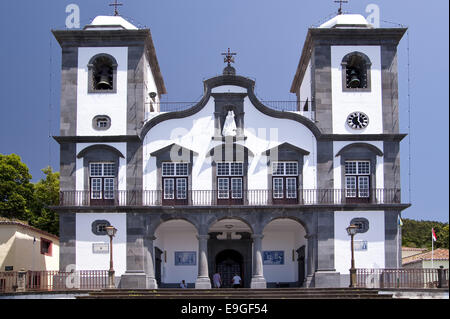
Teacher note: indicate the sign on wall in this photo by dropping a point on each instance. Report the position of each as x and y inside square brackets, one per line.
[185, 258]
[273, 257]
[100, 248]
[360, 245]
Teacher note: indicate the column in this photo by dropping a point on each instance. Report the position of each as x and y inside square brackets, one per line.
[149, 265]
[203, 281]
[310, 260]
[258, 280]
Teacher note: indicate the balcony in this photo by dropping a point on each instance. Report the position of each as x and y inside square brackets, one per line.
[304, 108]
[303, 197]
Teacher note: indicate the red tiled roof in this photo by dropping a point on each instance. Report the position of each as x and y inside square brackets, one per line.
[438, 254]
[413, 249]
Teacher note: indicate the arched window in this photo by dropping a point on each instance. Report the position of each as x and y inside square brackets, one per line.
[356, 72]
[102, 70]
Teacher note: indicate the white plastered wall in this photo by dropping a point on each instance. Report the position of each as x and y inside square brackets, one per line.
[345, 103]
[85, 238]
[172, 236]
[287, 238]
[263, 132]
[374, 256]
[113, 105]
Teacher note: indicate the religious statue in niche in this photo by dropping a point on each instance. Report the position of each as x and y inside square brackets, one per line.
[229, 127]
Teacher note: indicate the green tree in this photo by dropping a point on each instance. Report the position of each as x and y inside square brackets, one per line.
[16, 191]
[418, 233]
[46, 194]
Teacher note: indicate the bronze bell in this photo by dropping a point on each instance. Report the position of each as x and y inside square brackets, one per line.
[104, 82]
[354, 80]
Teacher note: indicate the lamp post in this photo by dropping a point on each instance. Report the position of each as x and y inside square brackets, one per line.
[351, 230]
[111, 231]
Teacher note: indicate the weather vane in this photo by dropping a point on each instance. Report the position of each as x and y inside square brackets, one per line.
[115, 5]
[228, 57]
[340, 5]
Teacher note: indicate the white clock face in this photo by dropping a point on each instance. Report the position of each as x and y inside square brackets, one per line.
[358, 120]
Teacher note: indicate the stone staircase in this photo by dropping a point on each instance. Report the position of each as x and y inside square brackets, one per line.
[242, 293]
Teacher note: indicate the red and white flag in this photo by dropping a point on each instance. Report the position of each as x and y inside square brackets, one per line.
[433, 234]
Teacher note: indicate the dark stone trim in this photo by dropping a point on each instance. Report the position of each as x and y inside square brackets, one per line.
[286, 146]
[83, 152]
[376, 36]
[220, 150]
[95, 224]
[100, 154]
[363, 137]
[230, 80]
[344, 63]
[282, 209]
[170, 147]
[97, 139]
[90, 66]
[370, 147]
[96, 118]
[119, 38]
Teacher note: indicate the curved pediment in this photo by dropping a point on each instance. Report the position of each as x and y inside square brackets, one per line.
[230, 80]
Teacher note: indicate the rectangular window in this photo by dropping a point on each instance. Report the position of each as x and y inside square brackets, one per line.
[102, 180]
[175, 169]
[357, 179]
[46, 247]
[169, 188]
[223, 187]
[285, 168]
[230, 169]
[223, 169]
[291, 187]
[236, 188]
[278, 188]
[181, 188]
[285, 184]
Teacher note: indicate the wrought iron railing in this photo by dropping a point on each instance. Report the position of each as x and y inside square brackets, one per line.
[402, 278]
[245, 198]
[53, 280]
[305, 108]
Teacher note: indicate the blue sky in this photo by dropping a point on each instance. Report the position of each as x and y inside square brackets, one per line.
[190, 35]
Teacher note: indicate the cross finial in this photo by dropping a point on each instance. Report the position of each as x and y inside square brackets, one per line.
[228, 57]
[115, 5]
[340, 5]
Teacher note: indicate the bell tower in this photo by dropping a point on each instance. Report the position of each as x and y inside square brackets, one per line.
[111, 81]
[348, 69]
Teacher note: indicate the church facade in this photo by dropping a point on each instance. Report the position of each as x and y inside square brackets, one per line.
[230, 184]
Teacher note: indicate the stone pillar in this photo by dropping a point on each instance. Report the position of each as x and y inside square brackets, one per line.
[149, 265]
[325, 275]
[21, 280]
[203, 281]
[135, 276]
[258, 280]
[310, 265]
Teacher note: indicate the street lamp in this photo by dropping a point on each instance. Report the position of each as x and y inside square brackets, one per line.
[111, 232]
[351, 230]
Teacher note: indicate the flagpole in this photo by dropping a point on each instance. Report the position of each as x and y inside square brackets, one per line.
[432, 248]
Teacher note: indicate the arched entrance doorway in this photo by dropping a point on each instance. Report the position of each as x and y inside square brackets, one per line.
[284, 253]
[230, 245]
[229, 262]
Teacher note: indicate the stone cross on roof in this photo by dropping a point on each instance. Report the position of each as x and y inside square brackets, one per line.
[115, 5]
[340, 5]
[228, 57]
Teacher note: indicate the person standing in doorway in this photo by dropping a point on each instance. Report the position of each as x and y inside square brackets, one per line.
[217, 280]
[236, 281]
[183, 284]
